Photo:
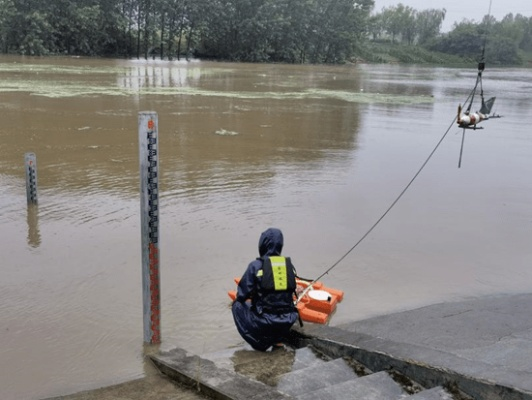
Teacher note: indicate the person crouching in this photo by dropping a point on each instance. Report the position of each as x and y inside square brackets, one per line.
[264, 309]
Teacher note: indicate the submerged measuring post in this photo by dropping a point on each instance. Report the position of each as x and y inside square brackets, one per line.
[149, 209]
[30, 165]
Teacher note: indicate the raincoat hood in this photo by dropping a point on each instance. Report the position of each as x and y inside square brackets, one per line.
[271, 242]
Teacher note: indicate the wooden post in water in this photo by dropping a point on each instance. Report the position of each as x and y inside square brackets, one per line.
[149, 209]
[30, 163]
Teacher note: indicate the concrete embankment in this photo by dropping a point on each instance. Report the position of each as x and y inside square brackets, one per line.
[481, 346]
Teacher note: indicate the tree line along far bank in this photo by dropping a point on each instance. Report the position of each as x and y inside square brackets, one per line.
[289, 31]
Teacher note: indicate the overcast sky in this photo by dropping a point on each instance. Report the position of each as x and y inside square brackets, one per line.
[457, 10]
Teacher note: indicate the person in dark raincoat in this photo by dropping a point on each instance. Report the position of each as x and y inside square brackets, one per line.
[264, 309]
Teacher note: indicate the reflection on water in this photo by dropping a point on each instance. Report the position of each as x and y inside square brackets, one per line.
[319, 151]
[34, 235]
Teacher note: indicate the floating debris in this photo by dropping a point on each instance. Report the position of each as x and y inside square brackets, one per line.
[224, 132]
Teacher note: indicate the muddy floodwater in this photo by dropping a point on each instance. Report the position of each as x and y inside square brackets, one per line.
[318, 151]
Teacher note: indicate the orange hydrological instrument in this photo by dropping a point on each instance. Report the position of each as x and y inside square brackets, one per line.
[317, 304]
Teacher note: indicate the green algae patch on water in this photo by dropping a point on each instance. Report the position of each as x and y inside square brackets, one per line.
[53, 81]
[368, 98]
[58, 89]
[61, 89]
[51, 69]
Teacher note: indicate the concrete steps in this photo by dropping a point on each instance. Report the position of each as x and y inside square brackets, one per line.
[305, 357]
[319, 376]
[371, 387]
[242, 373]
[437, 393]
[315, 378]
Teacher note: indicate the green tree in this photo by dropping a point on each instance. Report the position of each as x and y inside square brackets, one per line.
[526, 23]
[376, 26]
[7, 13]
[428, 23]
[399, 22]
[389, 23]
[470, 40]
[501, 50]
[508, 27]
[336, 31]
[292, 30]
[113, 25]
[464, 40]
[74, 27]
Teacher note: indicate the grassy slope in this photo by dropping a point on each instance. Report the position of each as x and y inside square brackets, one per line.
[527, 58]
[379, 52]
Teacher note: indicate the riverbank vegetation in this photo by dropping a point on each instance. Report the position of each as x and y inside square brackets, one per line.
[296, 31]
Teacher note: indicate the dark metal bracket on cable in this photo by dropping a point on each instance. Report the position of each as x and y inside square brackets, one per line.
[468, 119]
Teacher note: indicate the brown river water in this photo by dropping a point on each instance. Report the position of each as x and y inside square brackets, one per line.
[318, 151]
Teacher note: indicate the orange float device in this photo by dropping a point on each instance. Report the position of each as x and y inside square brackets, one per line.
[318, 303]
